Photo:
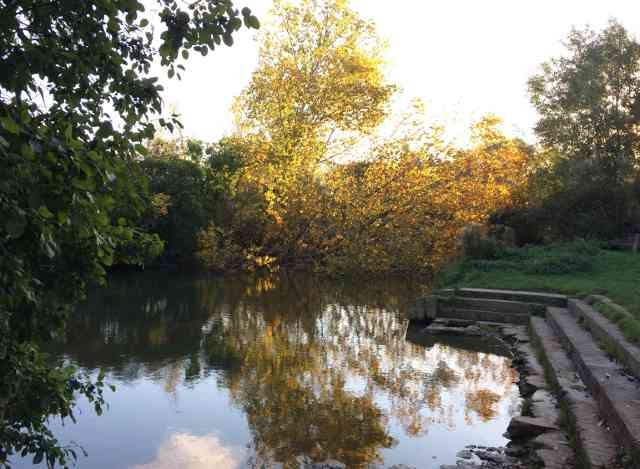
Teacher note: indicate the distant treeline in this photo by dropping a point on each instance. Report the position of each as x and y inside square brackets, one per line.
[307, 180]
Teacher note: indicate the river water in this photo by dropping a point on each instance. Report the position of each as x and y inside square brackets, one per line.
[277, 371]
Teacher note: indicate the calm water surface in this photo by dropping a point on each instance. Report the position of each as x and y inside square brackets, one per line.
[278, 371]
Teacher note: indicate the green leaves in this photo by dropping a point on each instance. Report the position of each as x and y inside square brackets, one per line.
[15, 226]
[588, 113]
[252, 22]
[65, 176]
[9, 125]
[45, 213]
[37, 459]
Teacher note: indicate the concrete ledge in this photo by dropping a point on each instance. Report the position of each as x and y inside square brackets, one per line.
[549, 299]
[490, 304]
[596, 446]
[618, 398]
[608, 333]
[423, 309]
[483, 316]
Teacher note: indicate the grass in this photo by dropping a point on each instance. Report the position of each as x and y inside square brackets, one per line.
[628, 323]
[577, 269]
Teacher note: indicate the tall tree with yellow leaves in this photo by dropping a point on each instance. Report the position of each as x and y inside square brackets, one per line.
[319, 82]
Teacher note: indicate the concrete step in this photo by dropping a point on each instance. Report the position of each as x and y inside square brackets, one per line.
[482, 315]
[489, 304]
[549, 299]
[596, 445]
[618, 396]
[608, 334]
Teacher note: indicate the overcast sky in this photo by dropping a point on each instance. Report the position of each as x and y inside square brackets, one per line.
[464, 58]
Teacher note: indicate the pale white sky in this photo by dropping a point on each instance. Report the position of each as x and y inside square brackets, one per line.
[464, 58]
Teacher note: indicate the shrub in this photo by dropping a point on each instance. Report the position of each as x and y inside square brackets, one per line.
[526, 223]
[491, 265]
[476, 245]
[630, 328]
[559, 264]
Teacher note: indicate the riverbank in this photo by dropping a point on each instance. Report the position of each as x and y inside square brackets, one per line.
[578, 396]
[577, 269]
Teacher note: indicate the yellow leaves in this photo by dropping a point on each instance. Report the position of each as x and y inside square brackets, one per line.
[319, 93]
[400, 210]
[319, 72]
[160, 204]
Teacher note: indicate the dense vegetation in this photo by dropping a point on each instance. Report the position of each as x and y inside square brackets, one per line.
[319, 171]
[587, 187]
[589, 103]
[312, 176]
[76, 104]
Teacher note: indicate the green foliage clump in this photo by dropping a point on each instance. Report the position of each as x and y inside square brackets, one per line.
[556, 259]
[477, 245]
[630, 328]
[559, 264]
[182, 182]
[586, 182]
[195, 206]
[585, 185]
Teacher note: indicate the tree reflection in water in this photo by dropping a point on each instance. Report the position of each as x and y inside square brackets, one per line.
[309, 361]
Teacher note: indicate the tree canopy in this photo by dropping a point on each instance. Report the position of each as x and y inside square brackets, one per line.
[76, 102]
[589, 100]
[324, 183]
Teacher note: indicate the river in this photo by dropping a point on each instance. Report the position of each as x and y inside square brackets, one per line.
[276, 371]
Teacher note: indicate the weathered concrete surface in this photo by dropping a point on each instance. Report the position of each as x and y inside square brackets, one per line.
[618, 397]
[489, 304]
[607, 332]
[438, 328]
[603, 404]
[550, 299]
[423, 309]
[553, 447]
[555, 451]
[597, 445]
[483, 316]
[524, 427]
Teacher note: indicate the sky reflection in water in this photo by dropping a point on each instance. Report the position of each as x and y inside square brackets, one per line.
[277, 371]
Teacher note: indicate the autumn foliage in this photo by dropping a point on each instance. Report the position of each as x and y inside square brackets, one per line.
[332, 177]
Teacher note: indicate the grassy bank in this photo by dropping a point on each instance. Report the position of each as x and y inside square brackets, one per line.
[577, 269]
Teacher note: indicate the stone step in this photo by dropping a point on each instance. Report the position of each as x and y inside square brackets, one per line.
[617, 395]
[482, 315]
[596, 445]
[489, 304]
[608, 334]
[549, 299]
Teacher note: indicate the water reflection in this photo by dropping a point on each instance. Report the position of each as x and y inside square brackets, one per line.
[192, 452]
[321, 370]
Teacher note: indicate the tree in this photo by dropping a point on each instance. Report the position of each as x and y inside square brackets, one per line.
[319, 80]
[589, 106]
[405, 207]
[589, 101]
[76, 101]
[319, 74]
[191, 185]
